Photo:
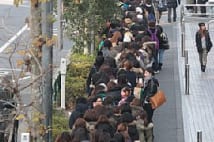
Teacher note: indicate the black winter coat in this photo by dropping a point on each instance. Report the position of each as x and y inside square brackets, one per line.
[149, 89]
[77, 113]
[172, 3]
[207, 40]
[105, 127]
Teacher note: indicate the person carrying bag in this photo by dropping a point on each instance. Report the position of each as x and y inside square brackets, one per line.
[150, 88]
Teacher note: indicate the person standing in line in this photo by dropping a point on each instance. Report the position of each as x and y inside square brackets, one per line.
[172, 5]
[150, 88]
[203, 44]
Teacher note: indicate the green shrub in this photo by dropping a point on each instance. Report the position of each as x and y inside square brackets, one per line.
[77, 72]
[60, 122]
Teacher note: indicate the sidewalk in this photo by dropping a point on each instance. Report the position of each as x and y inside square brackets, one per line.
[197, 107]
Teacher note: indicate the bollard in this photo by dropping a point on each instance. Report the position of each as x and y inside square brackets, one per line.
[199, 136]
[187, 79]
[186, 56]
[182, 44]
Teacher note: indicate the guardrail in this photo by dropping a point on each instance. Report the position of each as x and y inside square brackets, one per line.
[209, 9]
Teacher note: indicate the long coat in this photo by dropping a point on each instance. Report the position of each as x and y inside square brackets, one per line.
[172, 3]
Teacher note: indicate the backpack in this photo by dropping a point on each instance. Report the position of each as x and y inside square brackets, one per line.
[164, 42]
[151, 17]
[163, 38]
[154, 37]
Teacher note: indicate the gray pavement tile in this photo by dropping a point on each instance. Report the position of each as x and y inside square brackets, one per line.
[198, 105]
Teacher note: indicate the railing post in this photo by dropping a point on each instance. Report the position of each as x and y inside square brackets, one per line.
[187, 67]
[186, 57]
[199, 136]
[182, 31]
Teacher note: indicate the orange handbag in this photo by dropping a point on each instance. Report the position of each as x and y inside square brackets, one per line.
[158, 99]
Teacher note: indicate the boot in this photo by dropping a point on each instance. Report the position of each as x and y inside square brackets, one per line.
[160, 66]
[203, 67]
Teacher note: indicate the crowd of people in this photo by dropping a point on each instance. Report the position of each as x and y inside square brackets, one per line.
[130, 53]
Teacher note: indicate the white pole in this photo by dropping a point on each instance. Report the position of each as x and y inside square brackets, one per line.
[63, 73]
[63, 91]
[59, 25]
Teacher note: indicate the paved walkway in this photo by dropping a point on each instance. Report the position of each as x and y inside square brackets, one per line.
[197, 107]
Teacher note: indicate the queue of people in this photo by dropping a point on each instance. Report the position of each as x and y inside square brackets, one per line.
[130, 53]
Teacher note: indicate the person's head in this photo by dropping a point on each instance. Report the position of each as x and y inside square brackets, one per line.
[64, 137]
[122, 79]
[81, 100]
[98, 101]
[148, 1]
[125, 92]
[101, 110]
[108, 101]
[128, 65]
[111, 85]
[101, 136]
[90, 115]
[103, 119]
[135, 102]
[99, 61]
[148, 72]
[80, 122]
[125, 108]
[151, 24]
[118, 137]
[107, 44]
[202, 26]
[80, 135]
[127, 117]
[122, 127]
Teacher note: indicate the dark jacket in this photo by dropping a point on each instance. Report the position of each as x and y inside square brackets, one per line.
[80, 134]
[172, 3]
[105, 127]
[207, 40]
[77, 113]
[149, 90]
[115, 94]
[133, 132]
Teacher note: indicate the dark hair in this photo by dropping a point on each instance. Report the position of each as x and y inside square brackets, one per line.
[125, 108]
[111, 85]
[99, 61]
[107, 43]
[146, 38]
[103, 119]
[80, 122]
[80, 134]
[108, 101]
[100, 110]
[81, 100]
[136, 102]
[127, 117]
[101, 136]
[150, 70]
[121, 127]
[90, 115]
[118, 137]
[64, 137]
[122, 79]
[128, 65]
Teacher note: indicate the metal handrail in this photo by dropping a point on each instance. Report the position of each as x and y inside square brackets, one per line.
[199, 5]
